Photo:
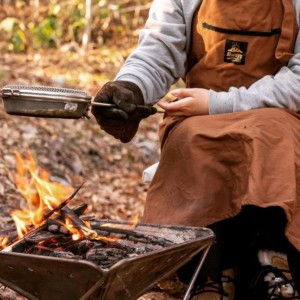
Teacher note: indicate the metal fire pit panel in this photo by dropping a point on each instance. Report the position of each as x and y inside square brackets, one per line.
[132, 278]
[46, 278]
[40, 277]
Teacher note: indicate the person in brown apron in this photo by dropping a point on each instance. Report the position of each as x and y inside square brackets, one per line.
[237, 173]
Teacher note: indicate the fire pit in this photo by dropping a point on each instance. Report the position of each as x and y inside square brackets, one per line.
[41, 277]
[56, 252]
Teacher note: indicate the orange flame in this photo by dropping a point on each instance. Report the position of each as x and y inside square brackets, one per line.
[133, 223]
[75, 233]
[4, 242]
[40, 193]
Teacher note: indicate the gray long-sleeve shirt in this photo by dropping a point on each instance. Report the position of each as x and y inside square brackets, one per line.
[160, 60]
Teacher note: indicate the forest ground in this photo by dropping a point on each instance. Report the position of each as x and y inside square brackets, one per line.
[76, 150]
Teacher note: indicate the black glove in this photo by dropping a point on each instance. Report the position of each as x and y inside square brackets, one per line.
[123, 121]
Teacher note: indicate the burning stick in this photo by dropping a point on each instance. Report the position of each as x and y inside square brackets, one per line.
[68, 213]
[15, 243]
[134, 236]
[62, 204]
[57, 224]
[42, 226]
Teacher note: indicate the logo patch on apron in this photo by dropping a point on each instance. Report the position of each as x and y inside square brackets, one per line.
[235, 52]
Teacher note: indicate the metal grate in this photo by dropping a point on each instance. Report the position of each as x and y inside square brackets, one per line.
[46, 89]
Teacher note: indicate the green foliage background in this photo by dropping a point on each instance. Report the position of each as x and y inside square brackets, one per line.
[36, 24]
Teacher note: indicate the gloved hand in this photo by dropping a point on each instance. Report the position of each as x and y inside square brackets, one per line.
[123, 121]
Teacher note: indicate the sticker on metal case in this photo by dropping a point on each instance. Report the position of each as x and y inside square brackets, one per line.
[71, 107]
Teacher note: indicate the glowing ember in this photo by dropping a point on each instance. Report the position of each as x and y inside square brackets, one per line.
[40, 193]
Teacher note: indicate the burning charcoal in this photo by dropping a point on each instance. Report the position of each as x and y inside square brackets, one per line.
[100, 245]
[64, 230]
[78, 223]
[53, 228]
[63, 254]
[57, 221]
[148, 240]
[106, 257]
[42, 236]
[102, 233]
[84, 246]
[38, 250]
[57, 227]
[124, 247]
[137, 239]
[139, 251]
[133, 235]
[65, 243]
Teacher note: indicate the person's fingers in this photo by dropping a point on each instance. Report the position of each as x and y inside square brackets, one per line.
[183, 93]
[175, 106]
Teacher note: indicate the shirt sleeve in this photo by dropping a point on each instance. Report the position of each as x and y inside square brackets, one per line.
[159, 60]
[281, 90]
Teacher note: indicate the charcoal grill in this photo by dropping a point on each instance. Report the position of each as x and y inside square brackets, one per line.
[46, 278]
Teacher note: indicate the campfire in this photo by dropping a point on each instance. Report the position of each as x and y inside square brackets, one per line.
[56, 251]
[48, 226]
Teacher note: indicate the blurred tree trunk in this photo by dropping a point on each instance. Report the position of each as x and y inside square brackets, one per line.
[88, 17]
[36, 5]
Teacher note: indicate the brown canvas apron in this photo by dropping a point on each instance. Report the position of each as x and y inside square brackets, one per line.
[236, 44]
[213, 165]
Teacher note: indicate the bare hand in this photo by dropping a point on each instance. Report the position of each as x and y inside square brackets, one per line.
[192, 102]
